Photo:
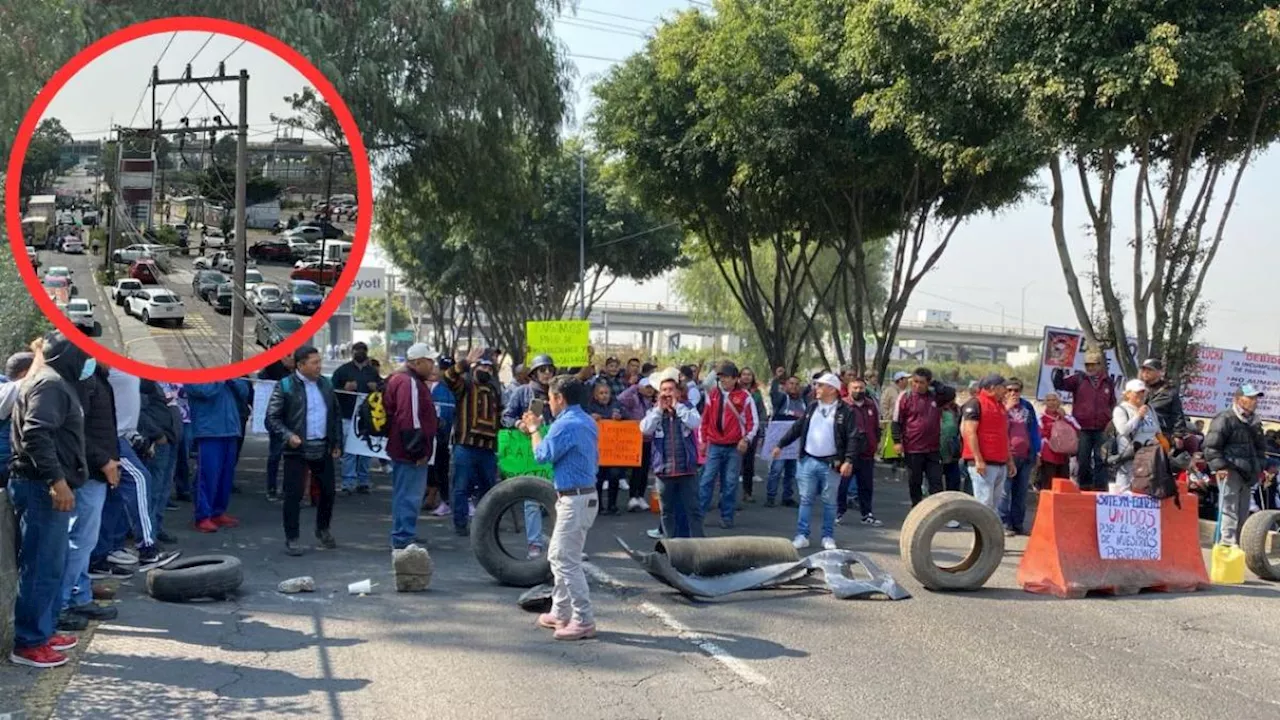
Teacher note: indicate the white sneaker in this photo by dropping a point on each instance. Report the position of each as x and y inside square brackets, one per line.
[122, 557]
[654, 533]
[800, 542]
[636, 504]
[828, 543]
[953, 524]
[624, 486]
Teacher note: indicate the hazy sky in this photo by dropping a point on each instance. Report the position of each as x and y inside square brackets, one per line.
[113, 88]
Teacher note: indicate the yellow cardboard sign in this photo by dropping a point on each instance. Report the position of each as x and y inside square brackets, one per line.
[565, 341]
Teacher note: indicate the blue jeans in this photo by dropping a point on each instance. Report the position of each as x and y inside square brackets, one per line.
[1013, 506]
[989, 486]
[408, 485]
[275, 449]
[533, 525]
[474, 469]
[161, 486]
[83, 530]
[724, 463]
[355, 471]
[784, 471]
[681, 512]
[42, 558]
[816, 479]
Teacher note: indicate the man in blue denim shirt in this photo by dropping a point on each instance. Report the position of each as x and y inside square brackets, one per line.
[571, 446]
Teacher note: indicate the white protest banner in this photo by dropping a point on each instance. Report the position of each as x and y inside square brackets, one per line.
[1064, 349]
[1128, 527]
[1219, 372]
[773, 432]
[261, 396]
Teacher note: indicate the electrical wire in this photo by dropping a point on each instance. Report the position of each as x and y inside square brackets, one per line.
[615, 15]
[233, 52]
[583, 24]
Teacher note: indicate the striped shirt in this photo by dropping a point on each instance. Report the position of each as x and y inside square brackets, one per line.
[571, 446]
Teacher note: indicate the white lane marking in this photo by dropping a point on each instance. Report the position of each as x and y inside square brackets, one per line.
[713, 650]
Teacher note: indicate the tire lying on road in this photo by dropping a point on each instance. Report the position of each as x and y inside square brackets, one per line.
[196, 577]
[930, 516]
[1253, 541]
[514, 570]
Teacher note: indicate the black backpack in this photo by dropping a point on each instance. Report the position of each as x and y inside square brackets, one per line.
[1152, 474]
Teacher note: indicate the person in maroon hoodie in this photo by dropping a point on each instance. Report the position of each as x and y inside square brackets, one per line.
[411, 420]
[916, 427]
[1093, 396]
[866, 416]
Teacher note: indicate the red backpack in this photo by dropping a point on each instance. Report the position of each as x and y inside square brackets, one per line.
[1064, 439]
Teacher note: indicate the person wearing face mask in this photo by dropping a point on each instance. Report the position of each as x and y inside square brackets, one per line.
[355, 376]
[48, 465]
[541, 371]
[478, 399]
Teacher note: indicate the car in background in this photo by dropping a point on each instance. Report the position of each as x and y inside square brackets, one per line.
[123, 289]
[145, 270]
[156, 305]
[71, 244]
[80, 312]
[212, 237]
[318, 273]
[271, 251]
[253, 278]
[329, 231]
[134, 253]
[271, 329]
[303, 297]
[205, 283]
[222, 298]
[310, 258]
[59, 271]
[306, 233]
[267, 297]
[183, 231]
[300, 247]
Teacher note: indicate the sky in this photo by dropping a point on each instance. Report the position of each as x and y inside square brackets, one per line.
[113, 88]
[998, 270]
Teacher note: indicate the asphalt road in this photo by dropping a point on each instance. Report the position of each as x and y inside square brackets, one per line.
[465, 650]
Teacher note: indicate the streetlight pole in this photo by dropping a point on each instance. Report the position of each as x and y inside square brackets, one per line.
[1022, 319]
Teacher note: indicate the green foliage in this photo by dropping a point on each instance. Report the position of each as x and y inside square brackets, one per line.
[44, 162]
[371, 313]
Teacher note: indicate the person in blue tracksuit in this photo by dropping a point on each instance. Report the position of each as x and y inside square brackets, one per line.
[216, 428]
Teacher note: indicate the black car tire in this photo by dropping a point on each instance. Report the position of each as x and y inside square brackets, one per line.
[506, 569]
[193, 578]
[930, 516]
[1253, 541]
[146, 318]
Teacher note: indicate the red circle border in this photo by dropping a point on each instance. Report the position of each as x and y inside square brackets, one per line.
[359, 158]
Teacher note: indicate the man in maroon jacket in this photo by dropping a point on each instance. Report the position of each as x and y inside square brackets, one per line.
[916, 427]
[866, 415]
[1093, 396]
[411, 432]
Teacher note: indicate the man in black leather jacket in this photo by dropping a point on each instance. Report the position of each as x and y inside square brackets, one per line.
[1163, 399]
[1237, 454]
[303, 413]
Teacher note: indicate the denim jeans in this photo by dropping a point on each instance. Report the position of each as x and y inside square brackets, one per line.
[82, 534]
[953, 477]
[472, 468]
[989, 486]
[863, 481]
[42, 558]
[679, 500]
[570, 598]
[1092, 472]
[784, 471]
[408, 485]
[160, 466]
[816, 480]
[533, 525]
[355, 471]
[275, 449]
[724, 463]
[1013, 505]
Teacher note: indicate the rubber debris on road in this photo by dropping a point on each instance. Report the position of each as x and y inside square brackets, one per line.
[725, 553]
[305, 583]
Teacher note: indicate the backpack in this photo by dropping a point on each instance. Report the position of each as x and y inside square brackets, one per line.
[1064, 439]
[371, 422]
[1152, 475]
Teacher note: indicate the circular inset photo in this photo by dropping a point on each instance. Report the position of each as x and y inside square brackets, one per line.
[194, 201]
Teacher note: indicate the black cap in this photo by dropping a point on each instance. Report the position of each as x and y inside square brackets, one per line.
[992, 380]
[1153, 364]
[728, 369]
[17, 364]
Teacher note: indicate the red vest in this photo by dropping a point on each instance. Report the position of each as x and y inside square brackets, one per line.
[993, 431]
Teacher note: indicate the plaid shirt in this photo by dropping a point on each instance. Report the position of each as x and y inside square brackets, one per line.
[617, 383]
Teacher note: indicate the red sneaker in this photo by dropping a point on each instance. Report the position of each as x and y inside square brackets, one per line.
[226, 521]
[63, 643]
[38, 657]
[206, 526]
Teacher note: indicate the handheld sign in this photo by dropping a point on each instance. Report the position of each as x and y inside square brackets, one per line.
[620, 442]
[515, 456]
[565, 341]
[773, 432]
[1128, 527]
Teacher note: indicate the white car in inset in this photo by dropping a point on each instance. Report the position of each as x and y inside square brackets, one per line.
[80, 311]
[134, 253]
[123, 289]
[267, 297]
[72, 244]
[156, 304]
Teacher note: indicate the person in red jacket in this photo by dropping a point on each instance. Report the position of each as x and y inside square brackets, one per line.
[916, 426]
[411, 432]
[729, 425]
[984, 425]
[1093, 396]
[1053, 464]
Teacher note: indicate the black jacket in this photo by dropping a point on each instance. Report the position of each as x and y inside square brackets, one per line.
[361, 376]
[155, 421]
[1164, 400]
[850, 441]
[100, 444]
[287, 413]
[48, 419]
[275, 371]
[1235, 445]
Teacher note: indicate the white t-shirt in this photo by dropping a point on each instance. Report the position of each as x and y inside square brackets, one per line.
[820, 441]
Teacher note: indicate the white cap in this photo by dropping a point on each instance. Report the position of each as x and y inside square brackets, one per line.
[419, 351]
[829, 379]
[1135, 385]
[644, 382]
[659, 377]
[900, 375]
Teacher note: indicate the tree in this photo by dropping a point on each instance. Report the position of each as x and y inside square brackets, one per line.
[1161, 106]
[43, 162]
[371, 312]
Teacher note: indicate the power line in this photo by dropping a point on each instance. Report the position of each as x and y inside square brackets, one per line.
[233, 52]
[595, 57]
[616, 15]
[634, 235]
[628, 31]
[202, 47]
[172, 37]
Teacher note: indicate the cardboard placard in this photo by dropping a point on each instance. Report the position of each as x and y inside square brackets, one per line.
[1128, 527]
[620, 442]
[565, 341]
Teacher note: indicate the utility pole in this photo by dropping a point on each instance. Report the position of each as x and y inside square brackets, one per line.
[582, 237]
[328, 213]
[242, 179]
[151, 207]
[113, 210]
[389, 315]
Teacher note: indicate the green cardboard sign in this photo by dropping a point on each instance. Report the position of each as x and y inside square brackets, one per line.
[515, 456]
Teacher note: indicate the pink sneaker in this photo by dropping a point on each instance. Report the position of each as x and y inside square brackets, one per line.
[535, 552]
[576, 631]
[550, 622]
[442, 510]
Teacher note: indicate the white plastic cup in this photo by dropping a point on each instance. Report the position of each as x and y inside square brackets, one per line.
[1113, 488]
[364, 587]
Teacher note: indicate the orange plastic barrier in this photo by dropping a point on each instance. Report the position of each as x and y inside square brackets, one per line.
[1063, 558]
